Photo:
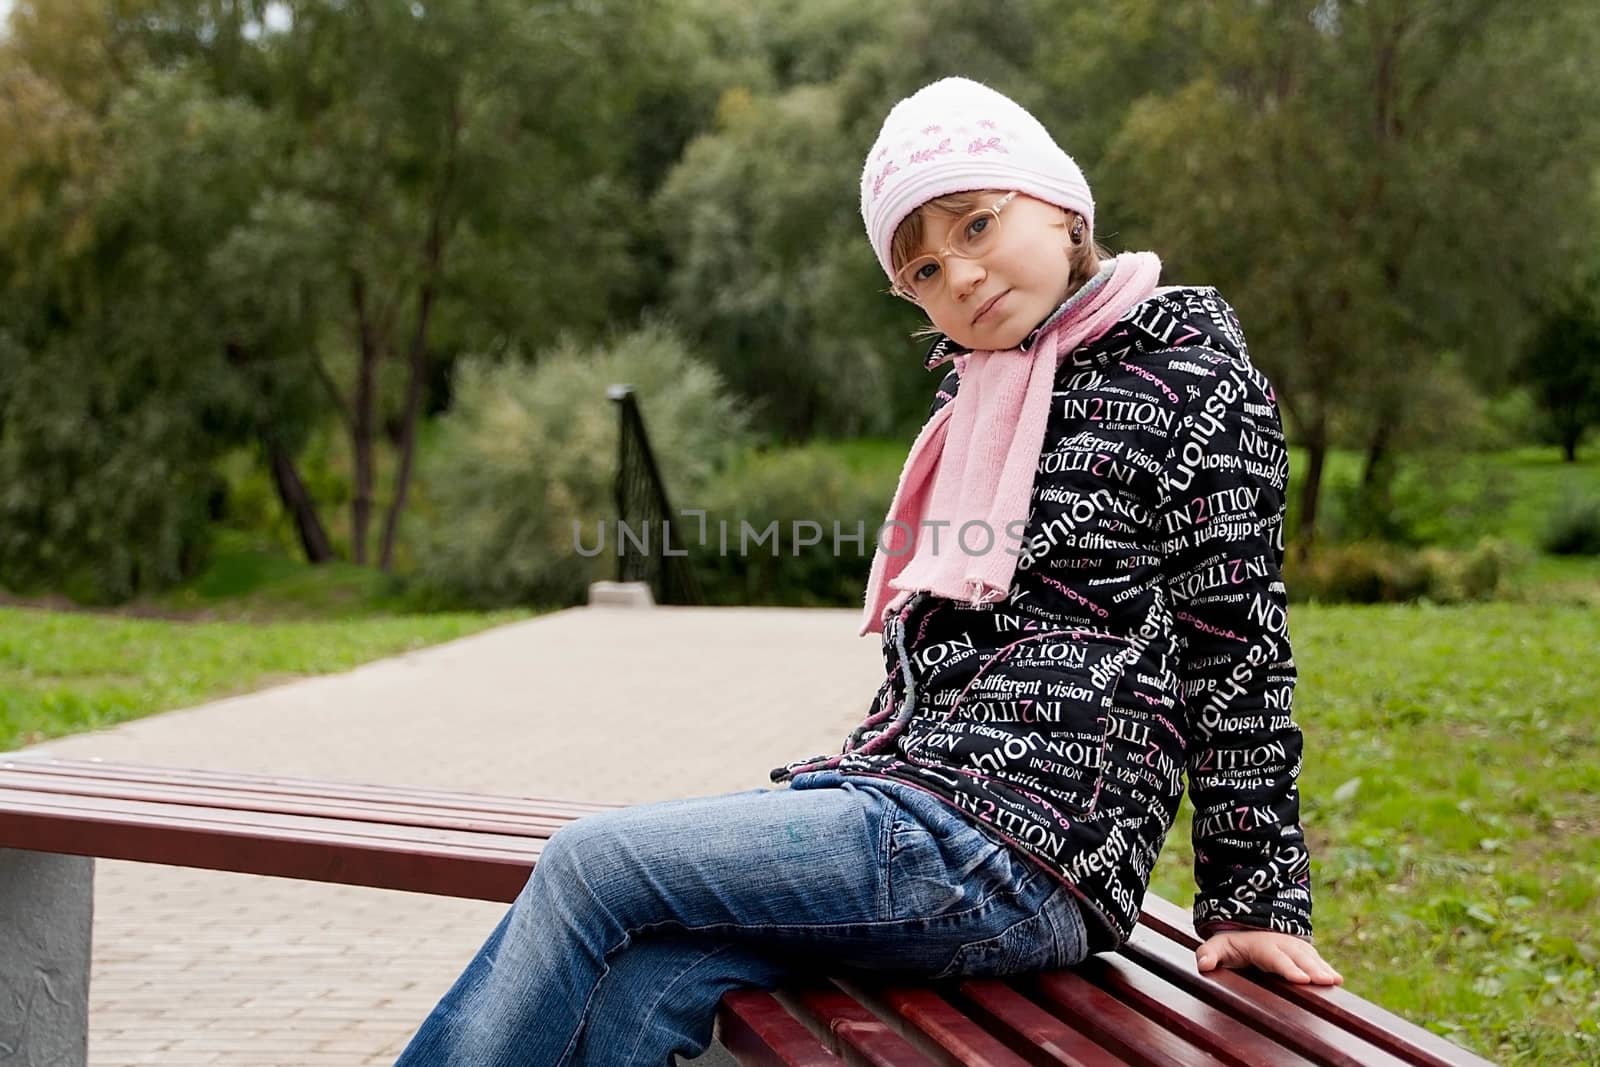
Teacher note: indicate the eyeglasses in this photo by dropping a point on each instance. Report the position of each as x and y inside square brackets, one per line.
[923, 279]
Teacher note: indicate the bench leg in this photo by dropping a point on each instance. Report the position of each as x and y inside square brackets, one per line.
[46, 921]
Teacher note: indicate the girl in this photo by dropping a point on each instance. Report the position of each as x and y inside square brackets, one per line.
[1080, 602]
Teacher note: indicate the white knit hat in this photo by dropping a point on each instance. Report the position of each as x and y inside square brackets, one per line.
[955, 136]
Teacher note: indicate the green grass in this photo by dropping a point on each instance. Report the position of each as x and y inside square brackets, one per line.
[62, 672]
[1451, 797]
[248, 578]
[252, 618]
[1539, 484]
[250, 581]
[1456, 499]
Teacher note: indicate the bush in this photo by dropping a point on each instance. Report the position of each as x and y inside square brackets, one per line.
[816, 484]
[1574, 528]
[1375, 573]
[527, 451]
[1434, 498]
[105, 483]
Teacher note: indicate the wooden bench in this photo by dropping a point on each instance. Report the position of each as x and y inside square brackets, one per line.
[1145, 1004]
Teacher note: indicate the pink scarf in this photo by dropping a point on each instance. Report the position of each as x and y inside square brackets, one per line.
[975, 460]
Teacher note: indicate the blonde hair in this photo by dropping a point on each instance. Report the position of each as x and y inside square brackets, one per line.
[908, 237]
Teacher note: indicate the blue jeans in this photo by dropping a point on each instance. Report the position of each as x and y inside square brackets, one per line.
[636, 922]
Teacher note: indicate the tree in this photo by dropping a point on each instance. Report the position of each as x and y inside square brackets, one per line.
[1360, 179]
[767, 275]
[115, 399]
[432, 148]
[332, 200]
[771, 274]
[1562, 363]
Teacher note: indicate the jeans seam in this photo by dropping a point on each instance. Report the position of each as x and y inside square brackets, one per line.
[1028, 876]
[988, 903]
[886, 857]
[633, 1053]
[588, 1001]
[869, 926]
[1037, 917]
[1079, 928]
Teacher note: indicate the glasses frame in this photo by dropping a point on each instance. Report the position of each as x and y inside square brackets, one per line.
[904, 292]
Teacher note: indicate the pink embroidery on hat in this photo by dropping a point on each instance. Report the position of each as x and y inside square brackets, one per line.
[977, 148]
[987, 124]
[924, 155]
[932, 129]
[883, 176]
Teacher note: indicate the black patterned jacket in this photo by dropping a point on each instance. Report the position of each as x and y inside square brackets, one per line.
[1144, 640]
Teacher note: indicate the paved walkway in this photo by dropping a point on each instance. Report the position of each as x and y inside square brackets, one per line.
[200, 967]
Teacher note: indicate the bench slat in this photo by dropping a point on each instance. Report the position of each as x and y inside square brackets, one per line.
[932, 1024]
[761, 1033]
[1340, 1011]
[450, 863]
[302, 787]
[852, 1030]
[358, 833]
[1117, 1026]
[1026, 1026]
[401, 812]
[1255, 1004]
[1220, 1034]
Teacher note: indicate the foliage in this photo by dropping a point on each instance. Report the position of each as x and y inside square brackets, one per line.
[1376, 573]
[247, 579]
[1431, 496]
[1562, 364]
[263, 232]
[527, 452]
[1345, 173]
[762, 279]
[812, 495]
[770, 274]
[1451, 498]
[108, 429]
[1574, 528]
[232, 224]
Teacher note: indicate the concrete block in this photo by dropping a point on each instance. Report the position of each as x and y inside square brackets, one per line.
[620, 595]
[46, 927]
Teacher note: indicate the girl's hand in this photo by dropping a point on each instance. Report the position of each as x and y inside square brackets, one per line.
[1285, 954]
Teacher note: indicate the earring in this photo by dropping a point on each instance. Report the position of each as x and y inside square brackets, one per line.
[1077, 231]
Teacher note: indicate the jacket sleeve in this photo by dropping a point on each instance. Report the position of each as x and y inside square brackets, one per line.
[1221, 514]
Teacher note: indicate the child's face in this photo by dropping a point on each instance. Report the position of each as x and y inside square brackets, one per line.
[993, 301]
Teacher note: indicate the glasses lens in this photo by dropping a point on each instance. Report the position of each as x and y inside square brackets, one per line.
[974, 232]
[921, 278]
